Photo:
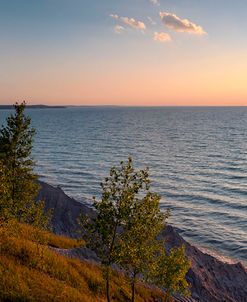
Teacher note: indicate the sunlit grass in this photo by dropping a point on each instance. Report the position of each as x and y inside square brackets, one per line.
[31, 271]
[26, 231]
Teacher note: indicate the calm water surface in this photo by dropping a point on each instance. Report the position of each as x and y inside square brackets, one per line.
[197, 159]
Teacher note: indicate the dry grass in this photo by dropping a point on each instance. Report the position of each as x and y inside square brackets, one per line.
[26, 231]
[31, 271]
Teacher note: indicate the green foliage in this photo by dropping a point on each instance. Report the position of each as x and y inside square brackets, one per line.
[138, 244]
[16, 139]
[138, 247]
[20, 183]
[4, 195]
[171, 271]
[125, 232]
[127, 223]
[120, 193]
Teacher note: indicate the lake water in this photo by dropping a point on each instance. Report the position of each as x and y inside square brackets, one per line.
[197, 159]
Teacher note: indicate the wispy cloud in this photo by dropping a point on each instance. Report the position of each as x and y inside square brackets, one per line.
[162, 37]
[155, 2]
[152, 22]
[118, 29]
[172, 21]
[114, 16]
[133, 23]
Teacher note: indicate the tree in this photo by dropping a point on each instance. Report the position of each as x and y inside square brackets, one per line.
[125, 229]
[16, 140]
[119, 192]
[170, 273]
[139, 247]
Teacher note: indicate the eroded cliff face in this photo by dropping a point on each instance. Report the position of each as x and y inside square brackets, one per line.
[66, 210]
[211, 279]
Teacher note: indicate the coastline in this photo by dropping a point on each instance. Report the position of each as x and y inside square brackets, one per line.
[204, 249]
[211, 279]
[211, 251]
[216, 254]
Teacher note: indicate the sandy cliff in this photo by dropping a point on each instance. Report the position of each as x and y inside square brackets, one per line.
[211, 279]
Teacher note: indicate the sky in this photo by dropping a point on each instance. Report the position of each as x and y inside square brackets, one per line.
[124, 52]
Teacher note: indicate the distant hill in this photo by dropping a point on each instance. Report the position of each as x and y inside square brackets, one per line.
[32, 107]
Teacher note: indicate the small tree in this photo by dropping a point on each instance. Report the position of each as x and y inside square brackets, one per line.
[113, 210]
[170, 273]
[139, 247]
[16, 140]
[125, 228]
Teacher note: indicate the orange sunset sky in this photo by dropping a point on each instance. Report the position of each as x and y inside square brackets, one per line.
[125, 52]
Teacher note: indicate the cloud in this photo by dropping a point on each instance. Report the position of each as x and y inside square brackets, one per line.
[133, 23]
[180, 25]
[114, 16]
[152, 22]
[162, 37]
[155, 2]
[118, 29]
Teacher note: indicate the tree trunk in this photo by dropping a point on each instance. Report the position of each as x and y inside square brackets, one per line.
[133, 288]
[109, 262]
[13, 180]
[133, 292]
[167, 296]
[107, 285]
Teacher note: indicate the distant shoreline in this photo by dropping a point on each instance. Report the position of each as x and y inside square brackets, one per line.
[66, 106]
[3, 107]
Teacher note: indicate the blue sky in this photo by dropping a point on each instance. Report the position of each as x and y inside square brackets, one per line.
[57, 51]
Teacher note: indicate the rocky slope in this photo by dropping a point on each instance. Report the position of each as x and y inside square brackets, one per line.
[211, 279]
[66, 210]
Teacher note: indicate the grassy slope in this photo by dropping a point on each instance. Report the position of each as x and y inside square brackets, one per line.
[31, 271]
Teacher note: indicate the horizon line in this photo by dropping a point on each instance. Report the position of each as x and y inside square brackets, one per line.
[134, 106]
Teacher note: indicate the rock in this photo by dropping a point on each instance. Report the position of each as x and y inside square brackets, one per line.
[211, 279]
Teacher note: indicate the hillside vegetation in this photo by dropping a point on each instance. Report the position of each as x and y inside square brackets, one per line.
[124, 232]
[30, 270]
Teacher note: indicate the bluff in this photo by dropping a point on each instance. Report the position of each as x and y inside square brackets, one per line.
[211, 279]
